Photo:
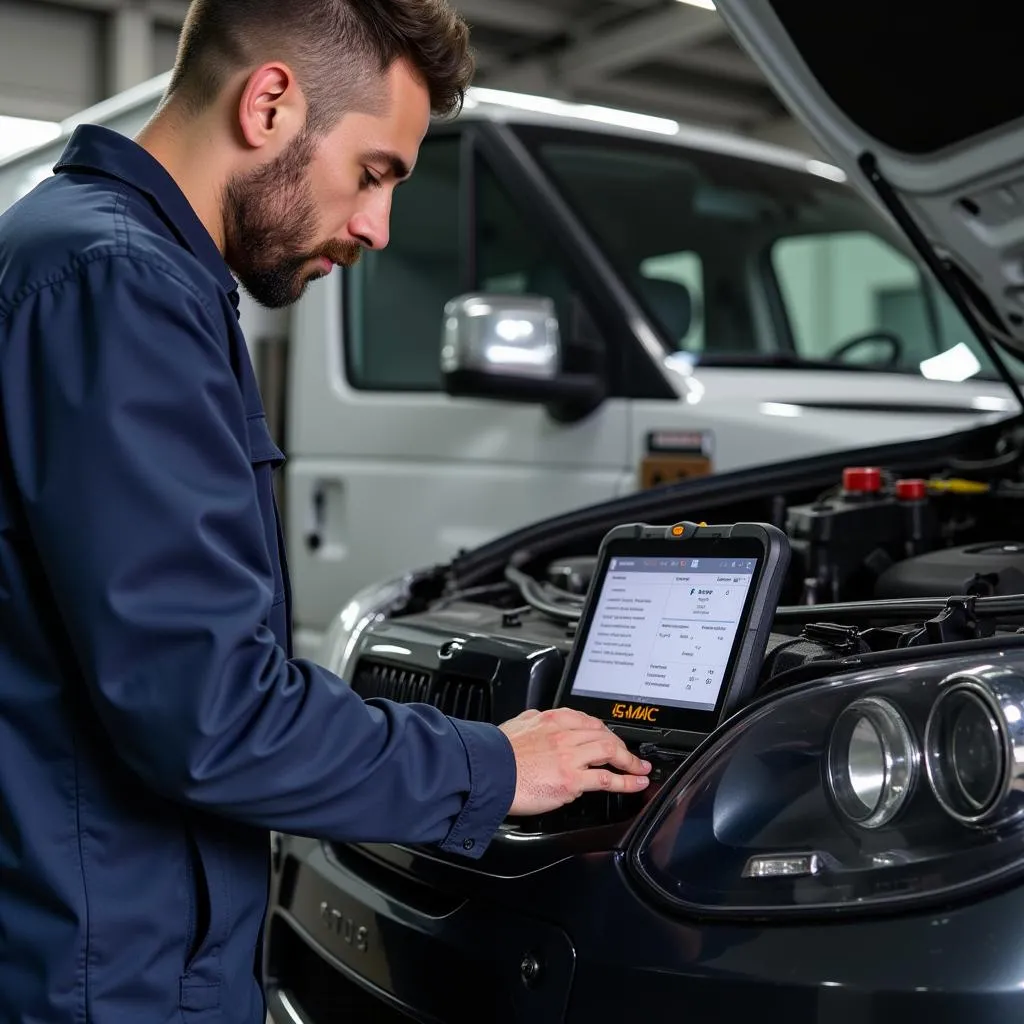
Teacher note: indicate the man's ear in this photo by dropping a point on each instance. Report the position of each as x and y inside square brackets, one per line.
[272, 107]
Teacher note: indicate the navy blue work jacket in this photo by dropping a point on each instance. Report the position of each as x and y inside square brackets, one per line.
[153, 724]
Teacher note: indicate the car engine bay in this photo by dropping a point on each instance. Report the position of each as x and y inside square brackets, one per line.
[885, 564]
[880, 560]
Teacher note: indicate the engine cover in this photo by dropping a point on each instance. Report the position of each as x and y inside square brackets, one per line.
[469, 661]
[995, 568]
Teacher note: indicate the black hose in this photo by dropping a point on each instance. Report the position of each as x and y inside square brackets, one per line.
[1009, 606]
[556, 593]
[994, 465]
[534, 596]
[492, 590]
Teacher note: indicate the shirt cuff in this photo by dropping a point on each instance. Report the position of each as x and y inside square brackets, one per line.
[492, 787]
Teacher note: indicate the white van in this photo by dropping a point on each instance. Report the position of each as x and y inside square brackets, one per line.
[576, 303]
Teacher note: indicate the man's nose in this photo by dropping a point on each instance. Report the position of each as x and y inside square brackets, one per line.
[372, 226]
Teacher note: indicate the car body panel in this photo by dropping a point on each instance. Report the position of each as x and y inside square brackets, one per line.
[946, 954]
[957, 169]
[617, 957]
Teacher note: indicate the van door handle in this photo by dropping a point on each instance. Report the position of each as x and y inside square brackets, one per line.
[315, 532]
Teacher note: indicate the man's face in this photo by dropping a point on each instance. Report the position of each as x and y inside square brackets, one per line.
[325, 198]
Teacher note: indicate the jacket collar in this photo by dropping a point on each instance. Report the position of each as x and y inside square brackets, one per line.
[99, 150]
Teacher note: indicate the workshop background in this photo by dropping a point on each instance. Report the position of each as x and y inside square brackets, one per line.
[673, 58]
[569, 330]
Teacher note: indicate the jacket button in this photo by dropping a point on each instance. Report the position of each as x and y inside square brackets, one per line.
[468, 844]
[529, 970]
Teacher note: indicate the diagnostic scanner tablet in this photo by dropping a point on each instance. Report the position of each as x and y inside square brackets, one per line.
[674, 628]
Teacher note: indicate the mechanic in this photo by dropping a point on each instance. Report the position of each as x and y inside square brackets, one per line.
[153, 723]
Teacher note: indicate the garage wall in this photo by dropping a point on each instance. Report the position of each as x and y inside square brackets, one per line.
[48, 65]
[56, 60]
[165, 45]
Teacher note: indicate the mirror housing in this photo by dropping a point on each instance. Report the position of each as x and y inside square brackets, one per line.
[509, 347]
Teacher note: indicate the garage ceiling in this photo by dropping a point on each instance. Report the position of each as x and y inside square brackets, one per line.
[668, 57]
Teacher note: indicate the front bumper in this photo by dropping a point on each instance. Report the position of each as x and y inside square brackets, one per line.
[348, 939]
[389, 935]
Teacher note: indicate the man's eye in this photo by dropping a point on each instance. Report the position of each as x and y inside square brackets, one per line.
[370, 180]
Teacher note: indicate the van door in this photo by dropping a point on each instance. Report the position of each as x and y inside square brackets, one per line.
[387, 472]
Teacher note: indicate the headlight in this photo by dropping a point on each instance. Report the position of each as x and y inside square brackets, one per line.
[368, 606]
[861, 792]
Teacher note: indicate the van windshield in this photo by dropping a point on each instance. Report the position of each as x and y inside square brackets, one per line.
[741, 262]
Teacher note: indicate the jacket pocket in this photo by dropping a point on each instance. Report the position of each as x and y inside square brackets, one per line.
[199, 902]
[209, 912]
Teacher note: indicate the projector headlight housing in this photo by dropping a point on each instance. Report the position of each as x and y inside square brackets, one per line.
[867, 793]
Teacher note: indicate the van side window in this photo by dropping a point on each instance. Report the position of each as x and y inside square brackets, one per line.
[395, 297]
[512, 258]
[650, 212]
[515, 258]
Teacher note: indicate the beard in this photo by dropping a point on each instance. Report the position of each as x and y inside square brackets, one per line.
[270, 224]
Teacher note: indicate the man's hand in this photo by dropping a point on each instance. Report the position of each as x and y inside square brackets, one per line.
[559, 755]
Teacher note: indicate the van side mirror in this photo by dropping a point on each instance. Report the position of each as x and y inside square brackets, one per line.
[509, 347]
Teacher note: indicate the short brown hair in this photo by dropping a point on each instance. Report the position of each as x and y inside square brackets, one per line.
[338, 49]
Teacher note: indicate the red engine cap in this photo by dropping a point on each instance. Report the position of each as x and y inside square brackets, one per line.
[911, 490]
[862, 479]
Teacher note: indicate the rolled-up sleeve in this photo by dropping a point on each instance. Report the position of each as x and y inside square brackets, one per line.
[127, 436]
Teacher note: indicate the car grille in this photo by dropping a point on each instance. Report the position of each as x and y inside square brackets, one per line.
[458, 696]
[404, 685]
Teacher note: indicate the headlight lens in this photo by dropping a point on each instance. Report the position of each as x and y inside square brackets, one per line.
[872, 762]
[862, 792]
[969, 752]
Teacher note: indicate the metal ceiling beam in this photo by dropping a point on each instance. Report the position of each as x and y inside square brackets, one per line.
[527, 16]
[644, 36]
[786, 131]
[671, 28]
[725, 64]
[684, 105]
[524, 16]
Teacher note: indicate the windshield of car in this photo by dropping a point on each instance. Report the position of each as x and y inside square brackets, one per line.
[742, 262]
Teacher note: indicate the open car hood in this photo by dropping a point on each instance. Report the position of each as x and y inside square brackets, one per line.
[924, 111]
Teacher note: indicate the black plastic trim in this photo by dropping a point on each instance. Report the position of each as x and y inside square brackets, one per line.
[632, 371]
